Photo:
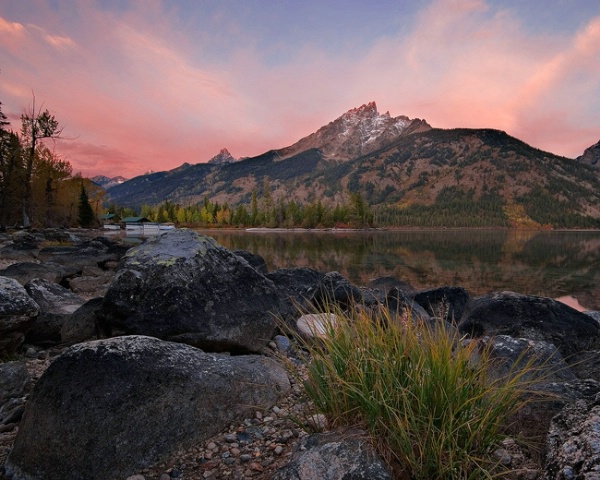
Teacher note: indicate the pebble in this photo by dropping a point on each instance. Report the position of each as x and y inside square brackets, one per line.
[31, 353]
[136, 477]
[318, 422]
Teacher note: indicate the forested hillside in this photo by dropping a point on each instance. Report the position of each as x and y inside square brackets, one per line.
[457, 177]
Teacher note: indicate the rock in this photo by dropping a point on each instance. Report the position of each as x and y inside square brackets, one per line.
[295, 287]
[282, 343]
[316, 325]
[91, 285]
[26, 271]
[81, 325]
[334, 456]
[256, 261]
[447, 303]
[14, 384]
[535, 318]
[547, 400]
[574, 442]
[404, 308]
[18, 312]
[337, 290]
[110, 408]
[594, 314]
[92, 253]
[510, 356]
[184, 287]
[56, 304]
[386, 284]
[548, 380]
[586, 364]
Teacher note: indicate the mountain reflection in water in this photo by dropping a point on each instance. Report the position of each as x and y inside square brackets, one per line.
[547, 263]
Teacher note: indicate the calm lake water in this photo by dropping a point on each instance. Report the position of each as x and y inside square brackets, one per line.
[550, 264]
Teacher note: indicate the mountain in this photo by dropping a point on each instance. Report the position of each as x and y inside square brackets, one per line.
[399, 162]
[222, 158]
[107, 182]
[359, 131]
[591, 156]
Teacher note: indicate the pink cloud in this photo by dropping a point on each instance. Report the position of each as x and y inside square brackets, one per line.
[137, 93]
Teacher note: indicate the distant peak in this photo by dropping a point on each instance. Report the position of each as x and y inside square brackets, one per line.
[368, 108]
[222, 158]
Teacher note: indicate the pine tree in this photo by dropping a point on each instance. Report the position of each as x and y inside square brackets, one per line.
[86, 215]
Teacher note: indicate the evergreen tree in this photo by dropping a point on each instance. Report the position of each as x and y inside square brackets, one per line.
[86, 215]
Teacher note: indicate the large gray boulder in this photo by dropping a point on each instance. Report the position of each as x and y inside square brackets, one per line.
[56, 303]
[334, 456]
[574, 442]
[109, 408]
[18, 311]
[535, 318]
[184, 287]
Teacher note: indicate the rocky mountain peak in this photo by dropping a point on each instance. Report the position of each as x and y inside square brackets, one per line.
[222, 158]
[591, 155]
[357, 132]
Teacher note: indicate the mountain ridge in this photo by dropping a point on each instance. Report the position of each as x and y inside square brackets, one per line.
[392, 161]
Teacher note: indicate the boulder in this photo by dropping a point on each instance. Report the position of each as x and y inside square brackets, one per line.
[256, 261]
[81, 325]
[574, 442]
[586, 364]
[335, 289]
[25, 271]
[295, 288]
[548, 381]
[541, 361]
[385, 284]
[334, 456]
[403, 307]
[14, 385]
[535, 318]
[18, 312]
[110, 408]
[184, 287]
[91, 285]
[56, 303]
[447, 303]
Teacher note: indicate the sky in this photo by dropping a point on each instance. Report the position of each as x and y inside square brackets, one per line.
[146, 85]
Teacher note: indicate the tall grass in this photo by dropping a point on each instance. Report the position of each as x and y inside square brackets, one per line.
[432, 411]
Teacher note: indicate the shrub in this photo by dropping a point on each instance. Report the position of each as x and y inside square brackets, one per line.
[432, 411]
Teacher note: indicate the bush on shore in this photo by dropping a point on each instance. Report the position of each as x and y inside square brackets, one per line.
[432, 411]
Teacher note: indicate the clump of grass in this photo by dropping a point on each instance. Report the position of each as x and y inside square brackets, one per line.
[432, 411]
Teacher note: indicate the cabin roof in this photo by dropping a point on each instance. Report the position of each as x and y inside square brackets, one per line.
[135, 220]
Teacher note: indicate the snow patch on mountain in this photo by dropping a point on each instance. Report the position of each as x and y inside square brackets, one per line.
[357, 132]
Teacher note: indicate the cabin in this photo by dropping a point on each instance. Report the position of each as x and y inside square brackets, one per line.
[110, 221]
[142, 225]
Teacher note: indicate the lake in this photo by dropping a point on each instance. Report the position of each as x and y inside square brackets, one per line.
[546, 263]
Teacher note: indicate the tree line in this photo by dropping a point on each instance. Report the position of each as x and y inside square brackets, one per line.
[453, 208]
[262, 212]
[37, 187]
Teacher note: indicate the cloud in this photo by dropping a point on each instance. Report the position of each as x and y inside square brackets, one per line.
[143, 89]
